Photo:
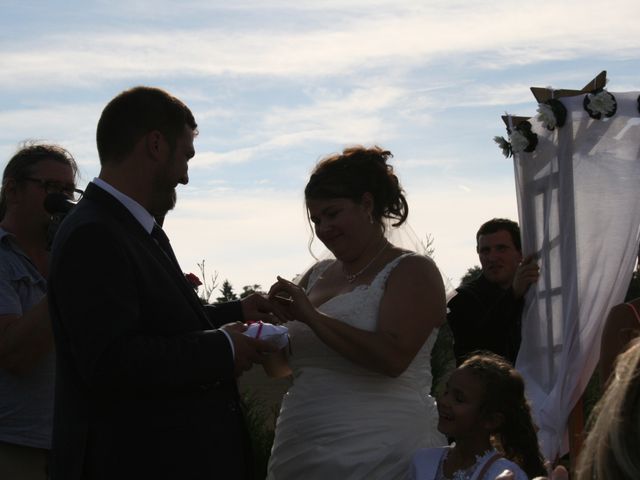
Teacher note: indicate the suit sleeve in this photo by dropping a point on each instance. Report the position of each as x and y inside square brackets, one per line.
[105, 329]
[221, 313]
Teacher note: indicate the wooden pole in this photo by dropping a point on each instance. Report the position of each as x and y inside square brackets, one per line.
[576, 433]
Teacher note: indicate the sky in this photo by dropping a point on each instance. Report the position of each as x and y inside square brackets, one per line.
[277, 85]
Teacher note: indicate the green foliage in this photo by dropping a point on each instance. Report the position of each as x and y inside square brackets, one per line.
[249, 289]
[261, 431]
[471, 274]
[228, 294]
[443, 361]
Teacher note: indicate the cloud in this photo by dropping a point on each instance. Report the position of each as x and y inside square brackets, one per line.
[391, 38]
[336, 117]
[276, 85]
[71, 125]
[252, 236]
[240, 155]
[248, 237]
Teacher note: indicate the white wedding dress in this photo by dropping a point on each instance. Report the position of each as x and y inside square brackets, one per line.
[340, 421]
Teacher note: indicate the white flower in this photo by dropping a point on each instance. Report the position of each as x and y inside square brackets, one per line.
[504, 146]
[602, 103]
[546, 116]
[518, 141]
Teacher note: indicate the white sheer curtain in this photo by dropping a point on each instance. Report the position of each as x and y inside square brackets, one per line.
[579, 208]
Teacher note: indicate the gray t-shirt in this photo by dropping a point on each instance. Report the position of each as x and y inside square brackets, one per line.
[26, 401]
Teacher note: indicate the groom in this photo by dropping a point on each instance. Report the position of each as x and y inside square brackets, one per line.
[145, 383]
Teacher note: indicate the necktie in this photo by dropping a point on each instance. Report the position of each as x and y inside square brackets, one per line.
[163, 242]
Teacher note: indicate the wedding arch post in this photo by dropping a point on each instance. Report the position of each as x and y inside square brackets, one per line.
[580, 215]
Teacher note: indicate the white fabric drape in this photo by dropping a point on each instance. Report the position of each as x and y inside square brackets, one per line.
[579, 209]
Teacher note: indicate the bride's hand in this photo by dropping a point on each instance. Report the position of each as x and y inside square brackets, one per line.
[298, 305]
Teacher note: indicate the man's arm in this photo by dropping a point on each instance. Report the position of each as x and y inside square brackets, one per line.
[100, 321]
[220, 314]
[252, 308]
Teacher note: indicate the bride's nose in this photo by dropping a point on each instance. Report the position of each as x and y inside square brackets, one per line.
[323, 227]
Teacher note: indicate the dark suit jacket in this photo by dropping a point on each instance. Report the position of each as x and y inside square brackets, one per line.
[145, 386]
[483, 316]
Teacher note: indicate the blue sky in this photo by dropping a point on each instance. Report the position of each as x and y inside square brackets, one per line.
[276, 85]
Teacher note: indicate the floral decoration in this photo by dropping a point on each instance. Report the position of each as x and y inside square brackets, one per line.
[600, 103]
[521, 139]
[504, 145]
[193, 280]
[524, 129]
[519, 142]
[552, 113]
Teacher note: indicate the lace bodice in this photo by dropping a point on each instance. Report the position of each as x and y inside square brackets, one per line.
[358, 308]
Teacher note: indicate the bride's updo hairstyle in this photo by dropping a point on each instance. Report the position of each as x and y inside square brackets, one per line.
[356, 171]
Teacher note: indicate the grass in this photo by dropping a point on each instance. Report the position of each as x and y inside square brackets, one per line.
[261, 431]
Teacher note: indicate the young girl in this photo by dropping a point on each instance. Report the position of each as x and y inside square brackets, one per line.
[485, 411]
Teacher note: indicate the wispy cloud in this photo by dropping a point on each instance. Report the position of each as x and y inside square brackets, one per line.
[394, 37]
[71, 125]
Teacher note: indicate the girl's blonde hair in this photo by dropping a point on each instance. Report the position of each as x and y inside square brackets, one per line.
[611, 448]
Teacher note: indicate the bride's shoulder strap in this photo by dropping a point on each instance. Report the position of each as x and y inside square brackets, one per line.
[383, 275]
[316, 270]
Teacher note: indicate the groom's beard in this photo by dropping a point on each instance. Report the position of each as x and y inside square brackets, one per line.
[164, 196]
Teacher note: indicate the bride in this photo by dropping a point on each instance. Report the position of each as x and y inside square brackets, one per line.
[365, 326]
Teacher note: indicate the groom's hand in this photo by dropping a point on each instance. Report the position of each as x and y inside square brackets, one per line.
[258, 307]
[248, 350]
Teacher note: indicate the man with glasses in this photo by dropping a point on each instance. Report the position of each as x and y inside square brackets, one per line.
[27, 359]
[52, 186]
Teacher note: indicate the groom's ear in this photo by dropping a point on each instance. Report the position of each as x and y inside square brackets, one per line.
[155, 144]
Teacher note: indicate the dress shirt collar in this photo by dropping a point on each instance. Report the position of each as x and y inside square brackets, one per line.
[138, 211]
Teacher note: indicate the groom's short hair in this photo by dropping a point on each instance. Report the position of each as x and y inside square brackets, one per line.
[136, 112]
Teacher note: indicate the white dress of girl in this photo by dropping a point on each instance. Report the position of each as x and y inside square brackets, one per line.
[340, 421]
[427, 463]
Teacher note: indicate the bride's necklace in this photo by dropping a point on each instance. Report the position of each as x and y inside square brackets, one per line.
[351, 277]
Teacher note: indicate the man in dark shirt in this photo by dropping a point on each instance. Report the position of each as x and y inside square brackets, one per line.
[485, 313]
